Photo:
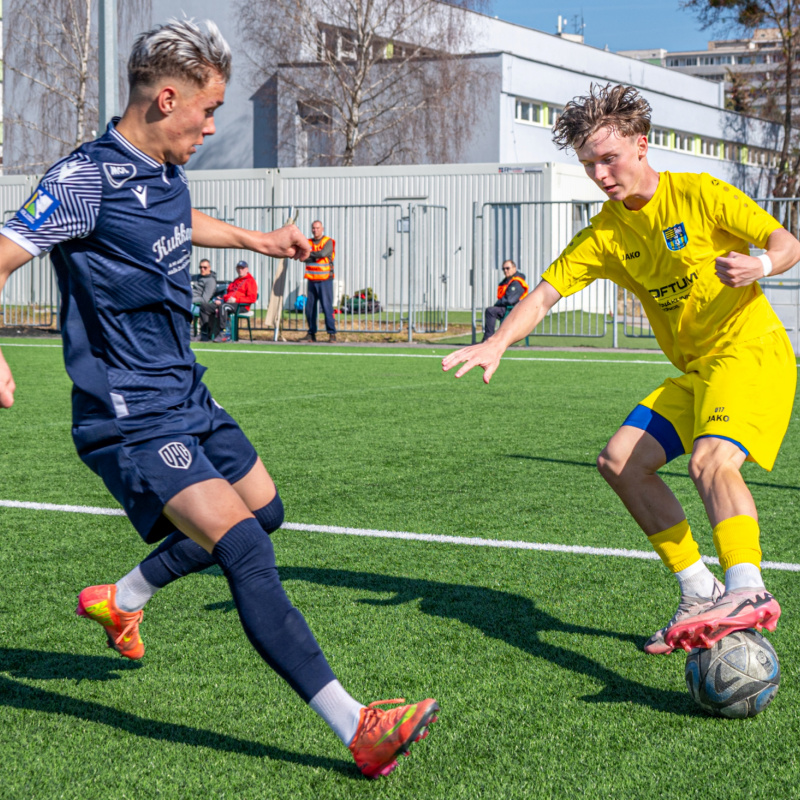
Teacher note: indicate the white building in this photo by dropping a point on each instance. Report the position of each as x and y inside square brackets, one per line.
[535, 74]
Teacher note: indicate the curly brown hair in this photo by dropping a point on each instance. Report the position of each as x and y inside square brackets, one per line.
[619, 108]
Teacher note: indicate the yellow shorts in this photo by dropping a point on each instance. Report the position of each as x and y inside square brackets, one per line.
[744, 394]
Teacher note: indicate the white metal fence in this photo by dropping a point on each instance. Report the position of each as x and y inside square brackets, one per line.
[419, 247]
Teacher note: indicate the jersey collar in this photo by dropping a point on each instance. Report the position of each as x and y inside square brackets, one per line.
[121, 140]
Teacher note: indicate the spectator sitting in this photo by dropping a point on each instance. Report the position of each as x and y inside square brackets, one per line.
[243, 290]
[203, 287]
[509, 292]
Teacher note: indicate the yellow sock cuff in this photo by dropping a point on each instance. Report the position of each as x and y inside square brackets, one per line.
[736, 541]
[676, 547]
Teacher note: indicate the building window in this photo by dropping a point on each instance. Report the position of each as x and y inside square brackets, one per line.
[528, 111]
[710, 147]
[553, 113]
[684, 142]
[658, 137]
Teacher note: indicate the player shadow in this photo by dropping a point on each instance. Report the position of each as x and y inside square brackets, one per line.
[662, 471]
[507, 617]
[44, 665]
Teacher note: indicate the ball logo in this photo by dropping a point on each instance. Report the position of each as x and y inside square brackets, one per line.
[176, 455]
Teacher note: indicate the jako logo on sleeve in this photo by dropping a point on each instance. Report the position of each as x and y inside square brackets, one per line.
[38, 209]
[176, 455]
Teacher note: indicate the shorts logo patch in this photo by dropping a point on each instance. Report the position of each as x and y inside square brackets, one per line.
[38, 209]
[176, 455]
[676, 237]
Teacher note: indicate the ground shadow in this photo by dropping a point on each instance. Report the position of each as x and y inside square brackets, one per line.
[504, 616]
[593, 465]
[44, 665]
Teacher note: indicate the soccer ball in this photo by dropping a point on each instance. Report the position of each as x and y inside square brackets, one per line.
[737, 677]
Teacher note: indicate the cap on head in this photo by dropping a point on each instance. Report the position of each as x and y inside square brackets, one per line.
[242, 265]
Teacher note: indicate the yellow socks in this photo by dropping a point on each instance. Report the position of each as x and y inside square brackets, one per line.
[736, 541]
[676, 547]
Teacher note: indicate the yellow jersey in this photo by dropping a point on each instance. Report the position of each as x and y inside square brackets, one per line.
[664, 253]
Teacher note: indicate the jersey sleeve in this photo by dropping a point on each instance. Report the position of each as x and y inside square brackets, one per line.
[735, 212]
[580, 264]
[64, 206]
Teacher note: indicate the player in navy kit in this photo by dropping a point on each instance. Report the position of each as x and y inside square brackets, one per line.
[116, 217]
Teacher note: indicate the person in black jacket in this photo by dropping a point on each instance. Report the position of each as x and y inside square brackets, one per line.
[509, 292]
[203, 287]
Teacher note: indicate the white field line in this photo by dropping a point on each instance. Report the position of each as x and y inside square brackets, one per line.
[469, 541]
[312, 352]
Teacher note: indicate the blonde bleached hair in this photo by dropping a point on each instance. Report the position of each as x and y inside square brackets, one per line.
[179, 49]
[619, 108]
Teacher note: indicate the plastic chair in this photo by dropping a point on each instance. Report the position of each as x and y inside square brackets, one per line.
[246, 316]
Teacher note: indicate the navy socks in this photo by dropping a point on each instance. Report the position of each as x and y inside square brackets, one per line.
[273, 625]
[178, 555]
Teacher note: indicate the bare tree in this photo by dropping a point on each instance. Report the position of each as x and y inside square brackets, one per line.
[773, 98]
[51, 51]
[52, 75]
[365, 81]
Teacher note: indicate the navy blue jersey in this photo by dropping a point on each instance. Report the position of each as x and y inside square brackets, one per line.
[119, 228]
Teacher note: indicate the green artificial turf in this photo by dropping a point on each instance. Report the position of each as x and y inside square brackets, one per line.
[535, 657]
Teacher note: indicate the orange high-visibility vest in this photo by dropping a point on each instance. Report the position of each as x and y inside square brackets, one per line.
[323, 269]
[503, 287]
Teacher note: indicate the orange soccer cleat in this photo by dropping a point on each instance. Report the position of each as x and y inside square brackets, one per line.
[122, 628]
[382, 735]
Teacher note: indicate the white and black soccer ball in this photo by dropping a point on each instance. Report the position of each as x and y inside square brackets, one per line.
[737, 677]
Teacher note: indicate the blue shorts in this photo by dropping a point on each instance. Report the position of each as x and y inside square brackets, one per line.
[146, 459]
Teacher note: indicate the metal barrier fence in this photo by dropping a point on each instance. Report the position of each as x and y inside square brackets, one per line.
[391, 265]
[428, 260]
[370, 267]
[30, 296]
[532, 234]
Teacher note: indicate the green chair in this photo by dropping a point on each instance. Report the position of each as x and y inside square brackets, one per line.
[240, 314]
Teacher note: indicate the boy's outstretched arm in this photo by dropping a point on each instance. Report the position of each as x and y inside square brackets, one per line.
[527, 314]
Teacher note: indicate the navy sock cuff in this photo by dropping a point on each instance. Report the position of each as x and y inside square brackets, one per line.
[237, 542]
[156, 573]
[271, 516]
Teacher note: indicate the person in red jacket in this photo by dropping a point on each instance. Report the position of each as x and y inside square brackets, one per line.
[243, 290]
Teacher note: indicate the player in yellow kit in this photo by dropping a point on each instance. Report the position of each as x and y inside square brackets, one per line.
[680, 243]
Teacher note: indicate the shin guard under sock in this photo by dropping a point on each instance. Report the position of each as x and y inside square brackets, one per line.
[274, 627]
[175, 557]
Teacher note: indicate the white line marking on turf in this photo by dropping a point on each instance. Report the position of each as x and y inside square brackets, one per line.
[470, 541]
[310, 352]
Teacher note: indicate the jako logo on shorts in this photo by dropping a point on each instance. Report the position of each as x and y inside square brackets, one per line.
[176, 455]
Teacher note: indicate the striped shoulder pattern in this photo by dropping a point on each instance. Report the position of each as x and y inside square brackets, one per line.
[64, 206]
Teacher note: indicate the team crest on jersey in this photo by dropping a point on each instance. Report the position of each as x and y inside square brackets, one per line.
[117, 174]
[176, 455]
[676, 237]
[38, 209]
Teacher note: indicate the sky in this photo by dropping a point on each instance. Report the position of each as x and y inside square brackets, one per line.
[620, 24]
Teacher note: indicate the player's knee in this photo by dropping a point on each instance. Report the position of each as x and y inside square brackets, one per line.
[704, 467]
[271, 516]
[609, 465]
[245, 550]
